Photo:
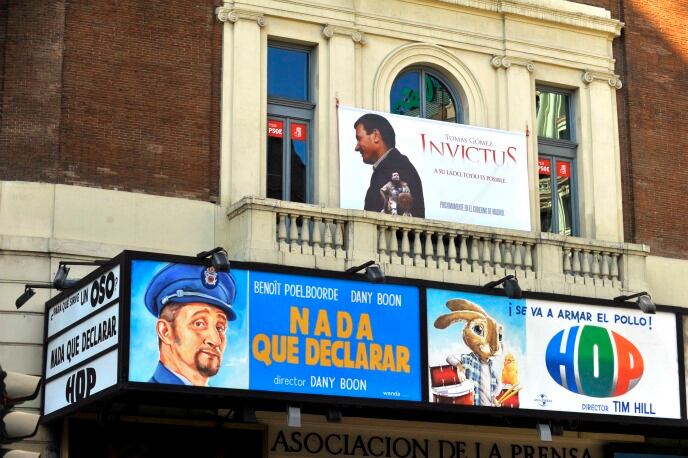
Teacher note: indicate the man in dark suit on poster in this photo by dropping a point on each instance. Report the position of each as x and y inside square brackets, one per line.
[376, 141]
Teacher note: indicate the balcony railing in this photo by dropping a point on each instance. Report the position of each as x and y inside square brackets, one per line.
[286, 233]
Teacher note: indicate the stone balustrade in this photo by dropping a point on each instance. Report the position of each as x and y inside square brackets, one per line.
[301, 235]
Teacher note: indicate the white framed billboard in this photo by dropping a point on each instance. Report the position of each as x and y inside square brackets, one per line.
[486, 350]
[445, 171]
[282, 333]
[80, 384]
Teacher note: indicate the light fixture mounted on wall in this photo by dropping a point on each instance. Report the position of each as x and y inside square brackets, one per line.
[372, 271]
[28, 294]
[511, 287]
[60, 281]
[334, 415]
[547, 430]
[644, 302]
[218, 258]
[294, 416]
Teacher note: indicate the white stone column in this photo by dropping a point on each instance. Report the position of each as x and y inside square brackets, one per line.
[601, 157]
[242, 149]
[515, 98]
[519, 102]
[341, 68]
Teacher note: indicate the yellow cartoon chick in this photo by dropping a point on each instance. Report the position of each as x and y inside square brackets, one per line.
[510, 370]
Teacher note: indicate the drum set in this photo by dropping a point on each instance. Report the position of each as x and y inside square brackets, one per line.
[447, 389]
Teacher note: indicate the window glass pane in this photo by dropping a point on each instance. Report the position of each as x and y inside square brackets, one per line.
[553, 115]
[564, 197]
[404, 99]
[299, 161]
[275, 146]
[545, 188]
[287, 73]
[439, 103]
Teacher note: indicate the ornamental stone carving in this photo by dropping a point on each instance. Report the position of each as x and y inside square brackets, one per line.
[358, 37]
[328, 31]
[611, 79]
[496, 61]
[225, 14]
[588, 77]
[615, 83]
[506, 62]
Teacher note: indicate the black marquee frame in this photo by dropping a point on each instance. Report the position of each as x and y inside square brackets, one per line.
[128, 393]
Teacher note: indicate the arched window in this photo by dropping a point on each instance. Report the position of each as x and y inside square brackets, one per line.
[423, 93]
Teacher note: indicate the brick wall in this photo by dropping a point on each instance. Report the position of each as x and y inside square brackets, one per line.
[31, 87]
[3, 39]
[652, 57]
[120, 94]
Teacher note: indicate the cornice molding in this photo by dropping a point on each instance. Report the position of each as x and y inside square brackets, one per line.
[556, 11]
[233, 15]
[610, 78]
[328, 31]
[576, 19]
[567, 14]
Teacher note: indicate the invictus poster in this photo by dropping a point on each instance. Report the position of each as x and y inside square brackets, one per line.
[404, 166]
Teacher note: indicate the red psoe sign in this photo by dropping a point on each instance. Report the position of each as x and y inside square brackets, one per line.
[298, 131]
[544, 166]
[563, 169]
[275, 128]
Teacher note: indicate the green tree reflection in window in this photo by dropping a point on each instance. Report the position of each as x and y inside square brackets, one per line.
[432, 100]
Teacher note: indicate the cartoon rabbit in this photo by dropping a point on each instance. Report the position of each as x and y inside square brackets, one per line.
[483, 336]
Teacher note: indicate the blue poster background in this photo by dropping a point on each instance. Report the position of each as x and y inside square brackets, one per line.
[352, 314]
[394, 325]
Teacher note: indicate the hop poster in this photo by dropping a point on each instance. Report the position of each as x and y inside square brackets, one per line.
[493, 351]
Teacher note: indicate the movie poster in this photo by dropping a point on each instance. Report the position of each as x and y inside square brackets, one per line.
[273, 332]
[465, 329]
[401, 165]
[493, 351]
[334, 337]
[187, 341]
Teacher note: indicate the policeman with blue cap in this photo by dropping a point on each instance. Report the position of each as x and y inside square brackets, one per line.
[193, 305]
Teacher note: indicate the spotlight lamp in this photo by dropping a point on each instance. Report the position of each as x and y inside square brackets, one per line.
[372, 271]
[60, 281]
[334, 415]
[29, 293]
[294, 416]
[218, 258]
[24, 298]
[547, 430]
[510, 285]
[247, 414]
[644, 302]
[544, 432]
